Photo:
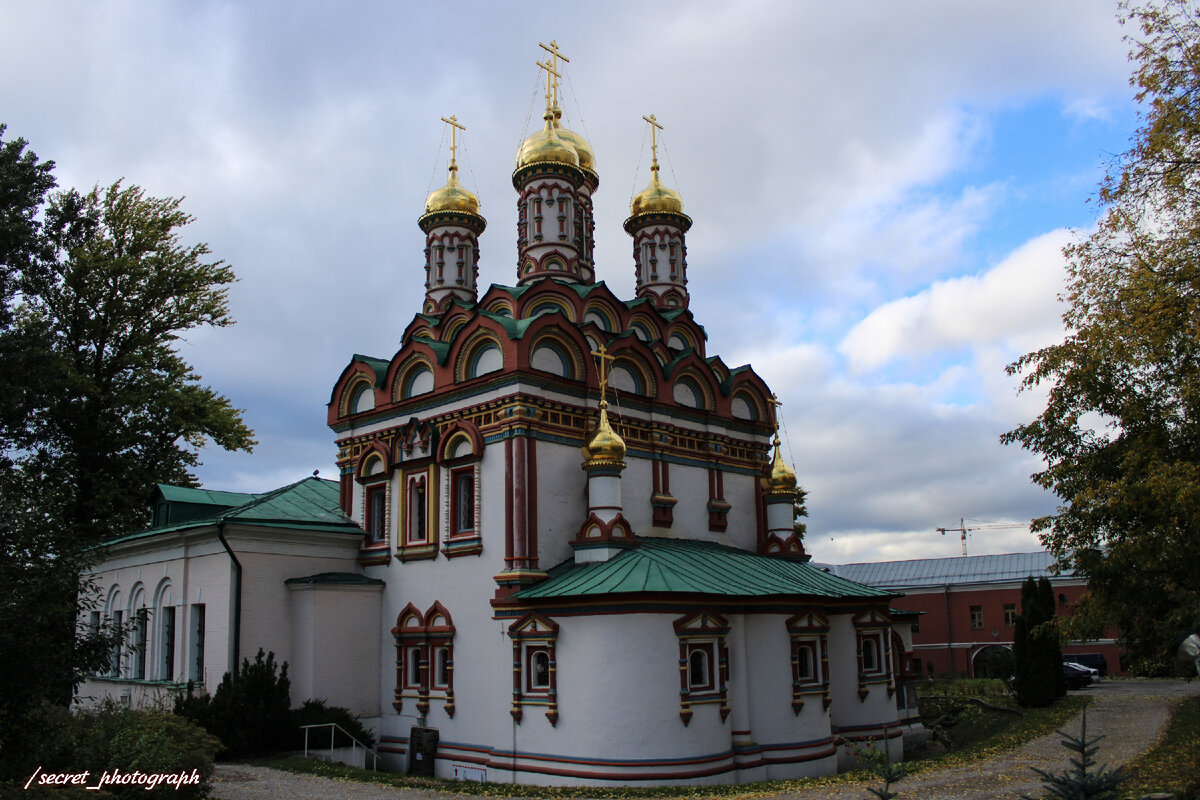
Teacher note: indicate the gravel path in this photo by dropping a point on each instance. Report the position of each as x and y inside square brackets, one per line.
[1130, 714]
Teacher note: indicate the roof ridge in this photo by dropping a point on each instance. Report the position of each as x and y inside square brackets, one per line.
[271, 495]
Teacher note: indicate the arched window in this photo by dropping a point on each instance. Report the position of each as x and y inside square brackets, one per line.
[418, 528]
[413, 677]
[699, 669]
[870, 654]
[441, 674]
[805, 662]
[743, 407]
[539, 670]
[463, 511]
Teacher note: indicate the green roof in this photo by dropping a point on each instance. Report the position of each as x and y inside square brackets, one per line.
[207, 497]
[690, 566]
[308, 504]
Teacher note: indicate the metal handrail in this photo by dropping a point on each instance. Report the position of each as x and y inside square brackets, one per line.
[354, 743]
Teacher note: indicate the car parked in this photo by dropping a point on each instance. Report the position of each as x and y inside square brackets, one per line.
[1077, 677]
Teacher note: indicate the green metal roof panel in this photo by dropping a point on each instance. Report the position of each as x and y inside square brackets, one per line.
[378, 365]
[207, 497]
[690, 566]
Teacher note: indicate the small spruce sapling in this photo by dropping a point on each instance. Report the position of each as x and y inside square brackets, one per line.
[1081, 782]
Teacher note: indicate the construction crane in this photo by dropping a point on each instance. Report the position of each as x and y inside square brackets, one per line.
[963, 530]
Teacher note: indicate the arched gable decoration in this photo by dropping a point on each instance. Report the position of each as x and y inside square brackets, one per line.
[461, 441]
[481, 354]
[413, 378]
[358, 388]
[374, 463]
[553, 350]
[703, 662]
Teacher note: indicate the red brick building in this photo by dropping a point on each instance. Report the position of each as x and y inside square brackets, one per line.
[969, 604]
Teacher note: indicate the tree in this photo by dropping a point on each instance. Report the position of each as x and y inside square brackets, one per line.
[1120, 434]
[1036, 650]
[1082, 782]
[96, 405]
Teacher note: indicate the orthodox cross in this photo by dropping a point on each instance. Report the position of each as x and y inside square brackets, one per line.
[555, 55]
[454, 129]
[551, 84]
[604, 357]
[655, 127]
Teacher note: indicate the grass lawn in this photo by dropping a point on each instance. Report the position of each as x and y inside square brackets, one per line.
[1173, 763]
[1011, 731]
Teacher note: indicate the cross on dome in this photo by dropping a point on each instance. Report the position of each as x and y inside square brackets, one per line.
[455, 127]
[552, 69]
[604, 357]
[655, 127]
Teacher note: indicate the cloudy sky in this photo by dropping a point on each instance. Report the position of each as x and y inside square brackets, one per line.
[880, 194]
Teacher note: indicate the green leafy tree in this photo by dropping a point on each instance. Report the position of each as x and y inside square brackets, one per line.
[1120, 434]
[96, 405]
[1037, 653]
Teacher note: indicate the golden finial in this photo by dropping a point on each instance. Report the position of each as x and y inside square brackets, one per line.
[555, 55]
[655, 197]
[455, 127]
[453, 196]
[780, 477]
[655, 127]
[606, 448]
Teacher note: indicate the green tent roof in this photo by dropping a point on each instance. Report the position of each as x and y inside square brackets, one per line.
[690, 566]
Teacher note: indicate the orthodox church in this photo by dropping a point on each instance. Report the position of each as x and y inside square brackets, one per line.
[584, 530]
[574, 559]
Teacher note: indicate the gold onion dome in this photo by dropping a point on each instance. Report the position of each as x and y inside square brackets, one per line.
[452, 197]
[781, 477]
[656, 198]
[606, 447]
[587, 159]
[547, 146]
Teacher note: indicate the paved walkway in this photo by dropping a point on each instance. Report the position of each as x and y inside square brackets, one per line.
[1130, 714]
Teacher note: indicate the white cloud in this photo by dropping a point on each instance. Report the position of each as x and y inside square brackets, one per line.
[1014, 303]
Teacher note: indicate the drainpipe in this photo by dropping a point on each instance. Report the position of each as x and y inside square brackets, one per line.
[237, 597]
[949, 635]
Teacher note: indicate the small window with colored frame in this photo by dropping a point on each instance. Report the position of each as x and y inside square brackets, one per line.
[537, 663]
[377, 513]
[462, 508]
[418, 530]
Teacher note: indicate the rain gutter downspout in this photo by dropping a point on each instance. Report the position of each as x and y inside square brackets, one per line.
[949, 635]
[237, 597]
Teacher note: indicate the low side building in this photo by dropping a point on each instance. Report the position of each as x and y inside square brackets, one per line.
[968, 605]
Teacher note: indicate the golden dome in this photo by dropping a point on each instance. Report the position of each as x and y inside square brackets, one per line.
[656, 198]
[606, 447]
[547, 145]
[587, 158]
[452, 197]
[781, 478]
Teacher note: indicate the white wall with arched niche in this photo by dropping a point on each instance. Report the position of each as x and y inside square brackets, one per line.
[677, 342]
[420, 381]
[547, 359]
[364, 400]
[623, 380]
[743, 408]
[490, 359]
[685, 394]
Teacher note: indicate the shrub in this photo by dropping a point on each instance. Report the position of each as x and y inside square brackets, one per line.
[250, 712]
[315, 712]
[111, 737]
